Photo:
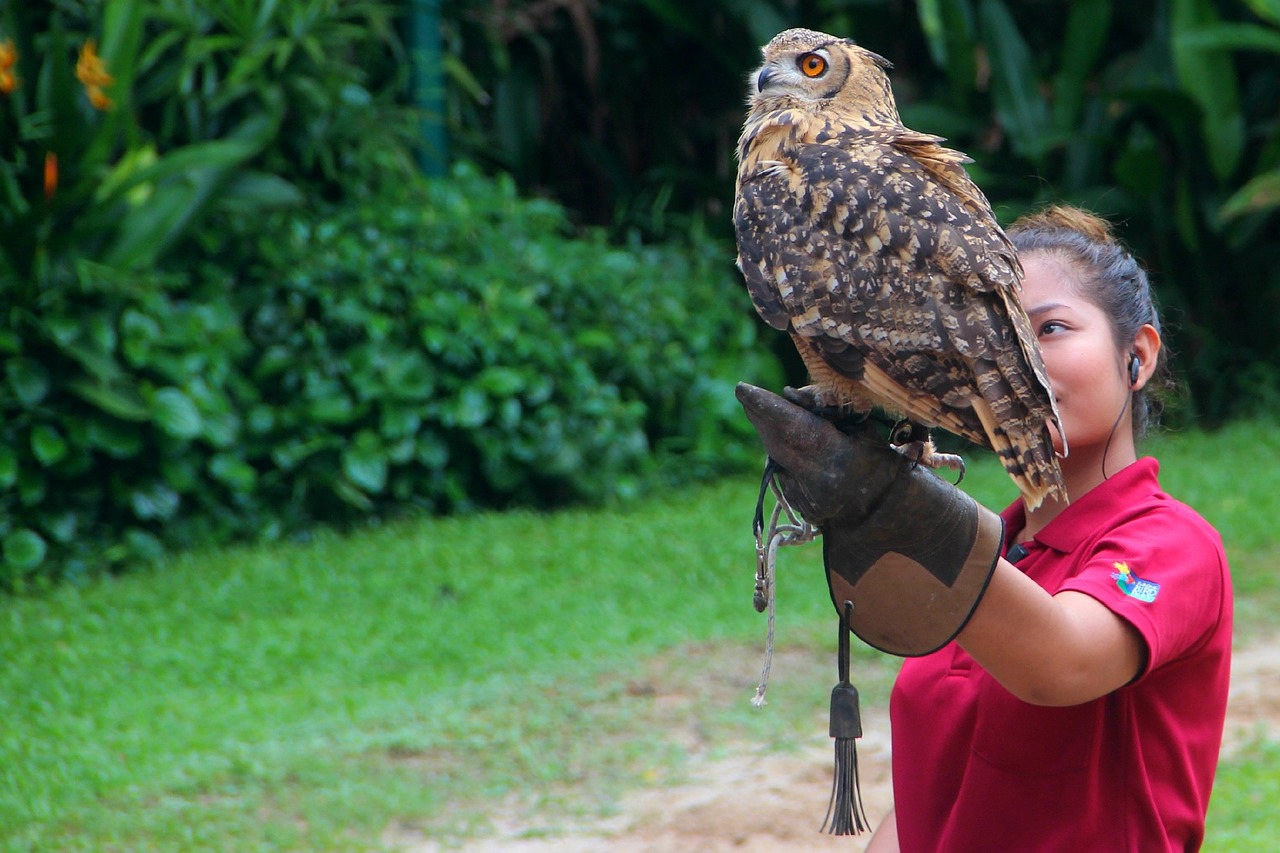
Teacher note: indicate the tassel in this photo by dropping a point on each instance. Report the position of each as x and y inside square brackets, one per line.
[845, 814]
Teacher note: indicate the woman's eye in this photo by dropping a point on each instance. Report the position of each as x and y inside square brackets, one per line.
[1051, 327]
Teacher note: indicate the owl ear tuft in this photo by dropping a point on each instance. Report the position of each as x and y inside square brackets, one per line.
[880, 60]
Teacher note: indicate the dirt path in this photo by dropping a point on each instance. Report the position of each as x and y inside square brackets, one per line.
[753, 803]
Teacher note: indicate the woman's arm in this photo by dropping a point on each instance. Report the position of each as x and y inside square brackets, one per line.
[1050, 650]
[885, 839]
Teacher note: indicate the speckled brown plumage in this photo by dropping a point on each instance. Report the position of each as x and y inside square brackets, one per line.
[871, 246]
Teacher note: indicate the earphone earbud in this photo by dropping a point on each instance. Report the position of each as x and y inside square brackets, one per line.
[1135, 364]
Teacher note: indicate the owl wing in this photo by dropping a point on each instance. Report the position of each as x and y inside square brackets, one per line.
[945, 166]
[898, 282]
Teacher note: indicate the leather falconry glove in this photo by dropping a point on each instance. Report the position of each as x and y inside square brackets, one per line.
[911, 552]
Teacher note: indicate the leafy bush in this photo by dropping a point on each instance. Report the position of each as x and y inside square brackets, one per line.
[446, 345]
[125, 129]
[116, 410]
[108, 364]
[453, 346]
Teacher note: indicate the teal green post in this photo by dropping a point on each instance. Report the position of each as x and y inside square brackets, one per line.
[426, 84]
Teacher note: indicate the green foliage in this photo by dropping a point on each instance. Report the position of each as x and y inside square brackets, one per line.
[187, 109]
[128, 133]
[75, 182]
[324, 74]
[450, 345]
[118, 396]
[445, 345]
[1159, 114]
[1161, 120]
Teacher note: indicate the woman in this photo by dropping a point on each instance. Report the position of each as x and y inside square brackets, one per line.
[1082, 706]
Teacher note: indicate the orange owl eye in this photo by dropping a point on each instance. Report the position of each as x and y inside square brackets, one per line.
[813, 65]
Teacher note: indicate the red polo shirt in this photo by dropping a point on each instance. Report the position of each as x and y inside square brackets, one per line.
[975, 768]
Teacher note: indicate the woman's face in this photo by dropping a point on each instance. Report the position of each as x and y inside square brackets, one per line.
[1088, 372]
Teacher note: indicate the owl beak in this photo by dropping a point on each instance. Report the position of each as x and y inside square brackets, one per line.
[762, 79]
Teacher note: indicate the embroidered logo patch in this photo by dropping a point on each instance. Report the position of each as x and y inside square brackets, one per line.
[1134, 586]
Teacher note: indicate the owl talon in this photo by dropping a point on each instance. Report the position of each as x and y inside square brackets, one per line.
[809, 398]
[921, 451]
[950, 460]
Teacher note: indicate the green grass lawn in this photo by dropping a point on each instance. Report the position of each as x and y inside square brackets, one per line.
[310, 696]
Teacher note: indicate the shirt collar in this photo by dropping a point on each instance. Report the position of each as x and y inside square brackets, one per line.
[1128, 486]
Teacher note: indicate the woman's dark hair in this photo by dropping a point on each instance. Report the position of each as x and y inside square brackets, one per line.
[1106, 273]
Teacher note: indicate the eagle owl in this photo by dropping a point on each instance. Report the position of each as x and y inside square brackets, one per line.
[869, 244]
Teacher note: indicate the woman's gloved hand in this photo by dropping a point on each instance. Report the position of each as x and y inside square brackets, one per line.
[912, 552]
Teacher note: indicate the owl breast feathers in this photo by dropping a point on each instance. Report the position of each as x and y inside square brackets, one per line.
[871, 246]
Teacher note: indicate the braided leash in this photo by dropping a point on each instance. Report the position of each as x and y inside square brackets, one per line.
[794, 531]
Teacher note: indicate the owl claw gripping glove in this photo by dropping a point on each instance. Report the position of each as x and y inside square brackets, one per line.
[912, 553]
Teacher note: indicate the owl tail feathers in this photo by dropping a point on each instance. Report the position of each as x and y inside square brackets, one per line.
[1030, 461]
[1025, 449]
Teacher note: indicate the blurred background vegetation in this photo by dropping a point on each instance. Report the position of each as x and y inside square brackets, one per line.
[233, 306]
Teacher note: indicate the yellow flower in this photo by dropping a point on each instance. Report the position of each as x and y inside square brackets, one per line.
[90, 69]
[98, 98]
[8, 57]
[92, 72]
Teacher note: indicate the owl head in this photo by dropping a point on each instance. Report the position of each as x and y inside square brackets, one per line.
[803, 66]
